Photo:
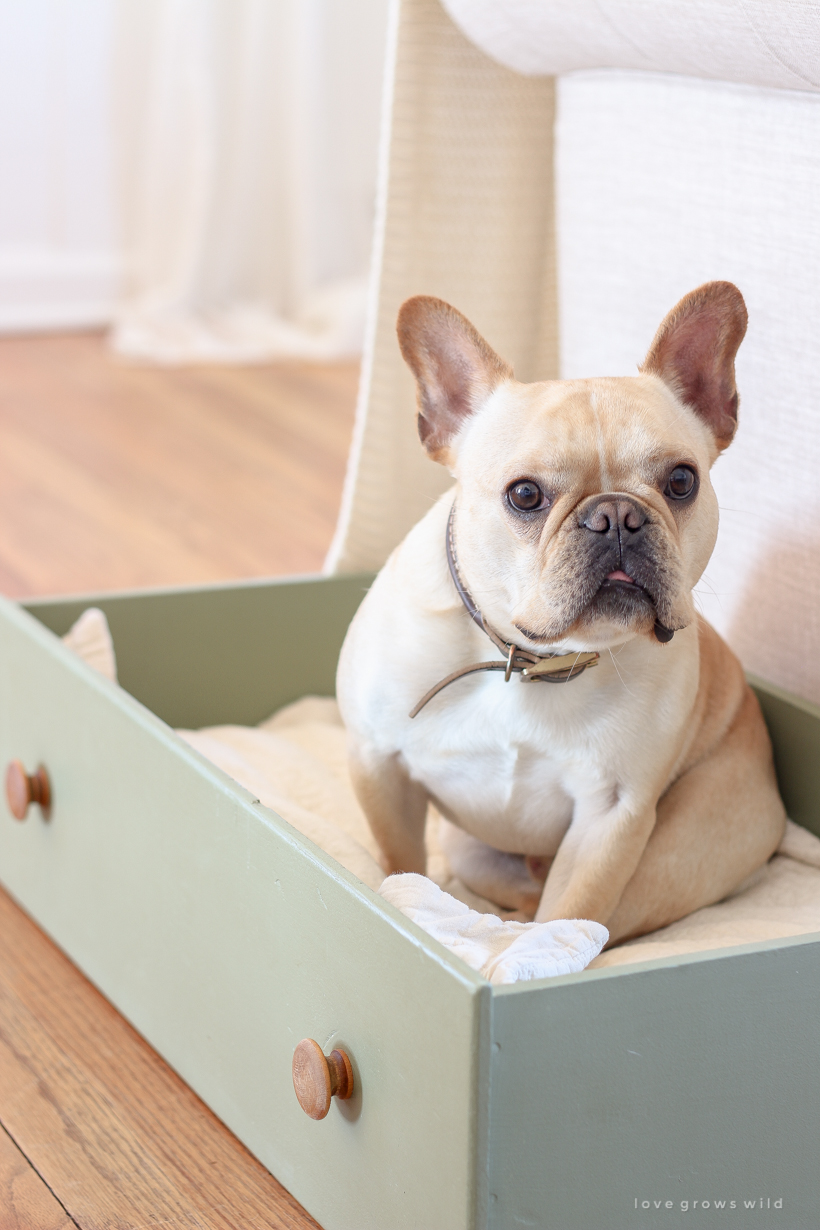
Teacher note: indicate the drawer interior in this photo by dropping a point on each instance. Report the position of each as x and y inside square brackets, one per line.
[223, 653]
[794, 725]
[648, 1065]
[234, 653]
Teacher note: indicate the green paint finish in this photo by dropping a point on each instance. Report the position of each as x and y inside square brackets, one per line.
[794, 726]
[223, 654]
[234, 653]
[685, 1080]
[225, 937]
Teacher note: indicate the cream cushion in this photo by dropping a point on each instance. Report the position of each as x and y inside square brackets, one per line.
[295, 762]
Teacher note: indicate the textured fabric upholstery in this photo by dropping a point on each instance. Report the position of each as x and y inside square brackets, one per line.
[667, 182]
[465, 213]
[645, 185]
[758, 42]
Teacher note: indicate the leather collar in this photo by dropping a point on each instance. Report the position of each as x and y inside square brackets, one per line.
[532, 667]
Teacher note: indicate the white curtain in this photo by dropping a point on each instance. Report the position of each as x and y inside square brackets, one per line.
[247, 133]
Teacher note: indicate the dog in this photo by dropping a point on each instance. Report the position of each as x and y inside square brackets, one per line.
[620, 770]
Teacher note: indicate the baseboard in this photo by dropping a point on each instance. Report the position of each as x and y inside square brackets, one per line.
[51, 289]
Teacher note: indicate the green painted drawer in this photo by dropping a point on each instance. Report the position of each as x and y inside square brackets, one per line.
[225, 937]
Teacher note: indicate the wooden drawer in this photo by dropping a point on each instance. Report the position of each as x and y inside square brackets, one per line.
[226, 937]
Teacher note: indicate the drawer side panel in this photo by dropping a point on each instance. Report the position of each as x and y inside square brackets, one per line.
[225, 938]
[227, 653]
[694, 1082]
[794, 725]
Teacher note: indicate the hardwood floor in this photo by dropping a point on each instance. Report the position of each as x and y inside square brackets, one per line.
[115, 476]
[26, 1200]
[99, 1132]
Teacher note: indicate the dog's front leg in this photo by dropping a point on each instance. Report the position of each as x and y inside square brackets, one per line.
[395, 807]
[596, 859]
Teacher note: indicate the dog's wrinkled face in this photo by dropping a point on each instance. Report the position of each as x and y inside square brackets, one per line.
[585, 510]
[585, 514]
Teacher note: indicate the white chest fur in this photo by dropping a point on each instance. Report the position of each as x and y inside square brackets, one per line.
[507, 762]
[490, 758]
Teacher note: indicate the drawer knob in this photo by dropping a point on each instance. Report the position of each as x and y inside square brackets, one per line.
[23, 789]
[318, 1077]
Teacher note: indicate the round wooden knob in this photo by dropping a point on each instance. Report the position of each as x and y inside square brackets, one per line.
[318, 1077]
[23, 789]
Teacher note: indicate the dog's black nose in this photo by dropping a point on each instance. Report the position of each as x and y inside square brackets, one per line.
[613, 514]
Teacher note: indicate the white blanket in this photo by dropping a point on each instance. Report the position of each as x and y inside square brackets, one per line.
[501, 951]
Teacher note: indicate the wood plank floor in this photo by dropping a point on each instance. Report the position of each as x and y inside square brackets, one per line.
[114, 476]
[106, 1134]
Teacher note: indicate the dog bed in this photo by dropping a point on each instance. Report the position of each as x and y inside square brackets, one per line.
[295, 762]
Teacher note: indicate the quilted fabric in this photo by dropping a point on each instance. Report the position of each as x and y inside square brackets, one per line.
[752, 41]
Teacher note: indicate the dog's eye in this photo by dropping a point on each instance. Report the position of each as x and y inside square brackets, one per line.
[681, 483]
[525, 495]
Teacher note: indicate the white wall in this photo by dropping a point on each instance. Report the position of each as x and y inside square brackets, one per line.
[60, 262]
[666, 182]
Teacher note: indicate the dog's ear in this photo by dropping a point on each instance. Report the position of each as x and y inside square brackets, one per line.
[694, 353]
[455, 369]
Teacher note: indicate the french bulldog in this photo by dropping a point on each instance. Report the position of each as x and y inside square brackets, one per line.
[530, 659]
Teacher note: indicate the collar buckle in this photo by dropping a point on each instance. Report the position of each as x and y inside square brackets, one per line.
[568, 664]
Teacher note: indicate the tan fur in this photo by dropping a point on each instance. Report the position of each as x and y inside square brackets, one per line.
[721, 818]
[694, 351]
[645, 788]
[447, 396]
